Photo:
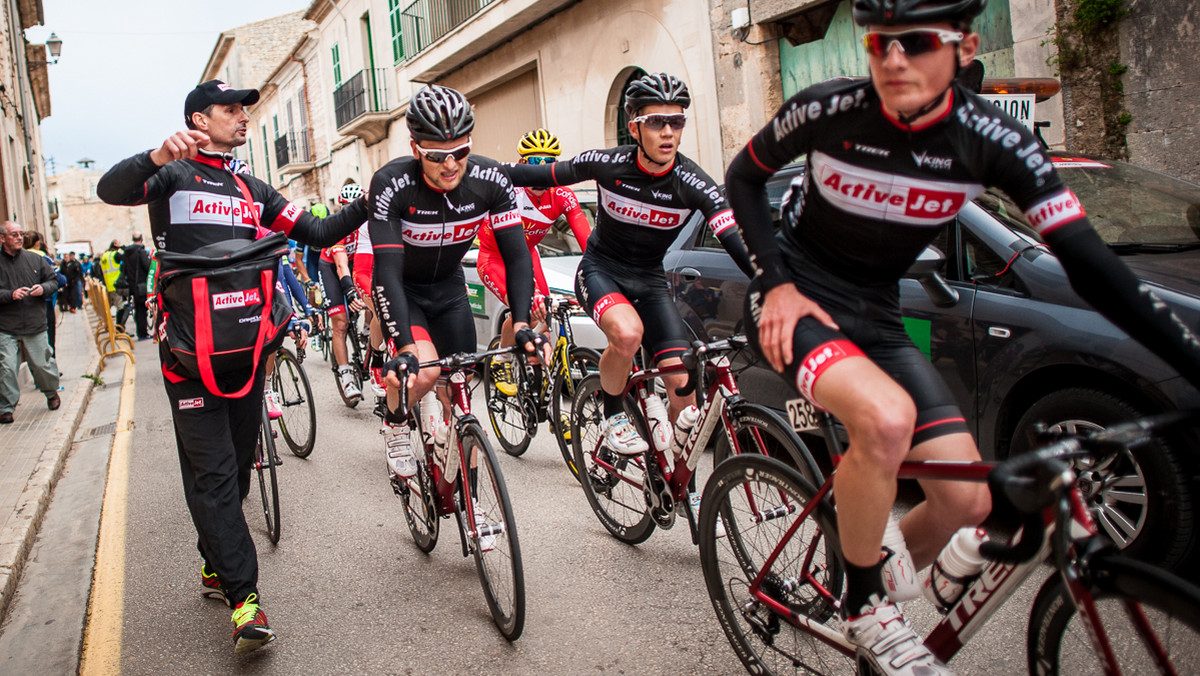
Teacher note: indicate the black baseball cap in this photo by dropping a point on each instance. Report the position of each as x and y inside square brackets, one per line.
[215, 91]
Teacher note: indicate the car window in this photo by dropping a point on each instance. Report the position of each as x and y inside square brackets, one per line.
[983, 265]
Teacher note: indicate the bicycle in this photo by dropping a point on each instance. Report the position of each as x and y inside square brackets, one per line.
[299, 420]
[356, 358]
[776, 577]
[480, 505]
[265, 461]
[633, 494]
[515, 417]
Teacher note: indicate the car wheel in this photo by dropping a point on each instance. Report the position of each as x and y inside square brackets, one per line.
[1139, 497]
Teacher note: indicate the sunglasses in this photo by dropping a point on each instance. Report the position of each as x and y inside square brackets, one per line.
[911, 42]
[439, 156]
[539, 160]
[656, 121]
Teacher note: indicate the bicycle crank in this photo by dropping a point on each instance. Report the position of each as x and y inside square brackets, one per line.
[659, 500]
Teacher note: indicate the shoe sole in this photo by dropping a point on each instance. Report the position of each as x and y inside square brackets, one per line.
[249, 645]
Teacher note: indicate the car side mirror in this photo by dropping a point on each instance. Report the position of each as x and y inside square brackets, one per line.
[927, 270]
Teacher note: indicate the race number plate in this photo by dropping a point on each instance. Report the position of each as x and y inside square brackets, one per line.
[802, 415]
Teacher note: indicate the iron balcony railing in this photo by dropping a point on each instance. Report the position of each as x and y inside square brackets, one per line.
[424, 22]
[292, 148]
[365, 92]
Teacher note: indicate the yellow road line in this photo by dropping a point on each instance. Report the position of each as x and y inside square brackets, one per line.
[102, 633]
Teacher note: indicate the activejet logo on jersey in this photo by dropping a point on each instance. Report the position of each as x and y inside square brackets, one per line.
[188, 404]
[890, 197]
[493, 174]
[194, 206]
[437, 234]
[721, 222]
[1063, 207]
[1002, 132]
[628, 210]
[800, 114]
[383, 200]
[224, 301]
[927, 161]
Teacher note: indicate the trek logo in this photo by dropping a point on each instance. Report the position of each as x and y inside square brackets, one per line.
[865, 149]
[1061, 208]
[632, 211]
[195, 206]
[889, 197]
[215, 184]
[927, 161]
[188, 404]
[977, 595]
[438, 234]
[232, 299]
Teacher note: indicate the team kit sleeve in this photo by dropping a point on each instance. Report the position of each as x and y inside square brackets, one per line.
[567, 172]
[510, 241]
[135, 180]
[719, 217]
[574, 214]
[387, 243]
[280, 215]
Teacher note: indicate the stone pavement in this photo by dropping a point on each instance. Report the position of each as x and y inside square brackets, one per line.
[33, 448]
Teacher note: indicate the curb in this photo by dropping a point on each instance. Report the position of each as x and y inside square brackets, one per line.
[17, 538]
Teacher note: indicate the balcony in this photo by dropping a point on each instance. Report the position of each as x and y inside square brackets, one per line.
[361, 105]
[292, 154]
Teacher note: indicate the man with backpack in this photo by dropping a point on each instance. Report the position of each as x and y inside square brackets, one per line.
[199, 206]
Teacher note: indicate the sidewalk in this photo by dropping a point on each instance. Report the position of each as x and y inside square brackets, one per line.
[33, 448]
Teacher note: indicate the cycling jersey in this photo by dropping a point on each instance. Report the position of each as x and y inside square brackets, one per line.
[419, 235]
[363, 262]
[538, 215]
[877, 192]
[347, 246]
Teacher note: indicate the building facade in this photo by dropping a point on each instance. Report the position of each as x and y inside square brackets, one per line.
[24, 103]
[81, 216]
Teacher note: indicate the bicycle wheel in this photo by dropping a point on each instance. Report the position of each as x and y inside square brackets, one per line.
[1124, 589]
[299, 421]
[758, 429]
[513, 417]
[619, 504]
[496, 549]
[265, 460]
[419, 495]
[758, 499]
[581, 362]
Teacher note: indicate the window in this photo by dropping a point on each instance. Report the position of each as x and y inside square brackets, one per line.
[394, 12]
[250, 153]
[266, 153]
[337, 66]
[623, 135]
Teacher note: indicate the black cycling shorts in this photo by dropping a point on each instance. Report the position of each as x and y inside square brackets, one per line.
[441, 313]
[335, 298]
[871, 325]
[601, 283]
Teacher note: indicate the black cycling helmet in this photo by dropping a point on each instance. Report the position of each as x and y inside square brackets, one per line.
[908, 12]
[648, 90]
[438, 113]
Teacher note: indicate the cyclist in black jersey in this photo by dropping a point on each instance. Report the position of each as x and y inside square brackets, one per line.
[646, 194]
[195, 199]
[424, 213]
[890, 162]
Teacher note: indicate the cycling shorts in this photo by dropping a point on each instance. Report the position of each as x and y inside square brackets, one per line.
[870, 325]
[491, 272]
[441, 314]
[602, 283]
[335, 298]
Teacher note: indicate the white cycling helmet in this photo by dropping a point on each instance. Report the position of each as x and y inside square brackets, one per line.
[350, 192]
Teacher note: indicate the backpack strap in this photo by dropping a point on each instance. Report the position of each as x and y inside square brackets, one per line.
[260, 230]
[204, 333]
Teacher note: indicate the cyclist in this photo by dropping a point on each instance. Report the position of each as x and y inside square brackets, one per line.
[891, 160]
[194, 200]
[540, 209]
[363, 265]
[341, 298]
[425, 211]
[647, 192]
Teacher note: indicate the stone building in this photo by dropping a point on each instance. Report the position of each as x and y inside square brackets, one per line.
[24, 103]
[83, 217]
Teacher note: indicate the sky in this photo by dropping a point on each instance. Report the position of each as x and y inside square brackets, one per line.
[126, 67]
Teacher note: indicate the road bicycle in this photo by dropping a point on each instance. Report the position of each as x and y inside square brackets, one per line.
[633, 494]
[480, 505]
[265, 461]
[515, 417]
[298, 423]
[775, 576]
[356, 357]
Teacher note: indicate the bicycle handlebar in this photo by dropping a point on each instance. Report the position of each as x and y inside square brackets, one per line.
[693, 359]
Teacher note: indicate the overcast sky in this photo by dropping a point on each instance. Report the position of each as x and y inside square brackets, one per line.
[126, 67]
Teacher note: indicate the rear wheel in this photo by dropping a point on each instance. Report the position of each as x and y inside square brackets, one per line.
[511, 415]
[618, 503]
[758, 429]
[1125, 592]
[581, 362]
[497, 551]
[299, 421]
[265, 460]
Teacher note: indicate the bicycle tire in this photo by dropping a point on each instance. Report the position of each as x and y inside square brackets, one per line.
[581, 362]
[419, 497]
[1058, 644]
[620, 506]
[501, 573]
[264, 462]
[298, 424]
[740, 491]
[758, 429]
[510, 416]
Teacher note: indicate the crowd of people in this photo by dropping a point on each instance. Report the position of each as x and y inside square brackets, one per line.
[822, 308]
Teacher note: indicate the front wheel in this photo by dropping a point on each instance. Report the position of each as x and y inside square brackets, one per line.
[497, 551]
[511, 412]
[581, 362]
[299, 421]
[265, 460]
[1150, 618]
[419, 495]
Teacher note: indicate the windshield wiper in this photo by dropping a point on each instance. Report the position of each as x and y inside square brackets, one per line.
[1151, 247]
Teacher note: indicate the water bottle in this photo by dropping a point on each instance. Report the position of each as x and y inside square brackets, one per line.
[683, 427]
[958, 563]
[431, 415]
[658, 421]
[899, 573]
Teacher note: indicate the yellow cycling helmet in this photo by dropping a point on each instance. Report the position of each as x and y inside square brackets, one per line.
[539, 142]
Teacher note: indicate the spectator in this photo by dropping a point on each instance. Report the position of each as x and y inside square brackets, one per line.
[135, 263]
[110, 271]
[37, 244]
[73, 271]
[25, 280]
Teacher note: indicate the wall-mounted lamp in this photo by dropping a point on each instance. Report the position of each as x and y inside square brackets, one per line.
[54, 47]
[739, 22]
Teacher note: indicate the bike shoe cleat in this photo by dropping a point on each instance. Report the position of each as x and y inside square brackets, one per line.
[888, 645]
[212, 585]
[398, 442]
[251, 631]
[622, 437]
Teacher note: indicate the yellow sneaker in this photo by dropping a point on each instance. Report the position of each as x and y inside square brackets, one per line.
[502, 377]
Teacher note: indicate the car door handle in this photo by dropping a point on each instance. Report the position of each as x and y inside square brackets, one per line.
[999, 332]
[689, 274]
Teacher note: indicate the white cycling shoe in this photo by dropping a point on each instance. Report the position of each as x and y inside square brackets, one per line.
[400, 459]
[349, 388]
[888, 645]
[622, 437]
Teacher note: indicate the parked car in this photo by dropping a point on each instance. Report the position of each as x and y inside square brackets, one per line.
[1018, 347]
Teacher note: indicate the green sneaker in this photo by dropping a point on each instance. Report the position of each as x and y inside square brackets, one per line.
[251, 631]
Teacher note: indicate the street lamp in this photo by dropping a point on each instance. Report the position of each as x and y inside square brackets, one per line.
[54, 47]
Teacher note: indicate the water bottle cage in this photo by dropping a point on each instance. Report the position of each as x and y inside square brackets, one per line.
[963, 583]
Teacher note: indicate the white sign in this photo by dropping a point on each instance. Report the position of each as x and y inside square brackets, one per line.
[1020, 106]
